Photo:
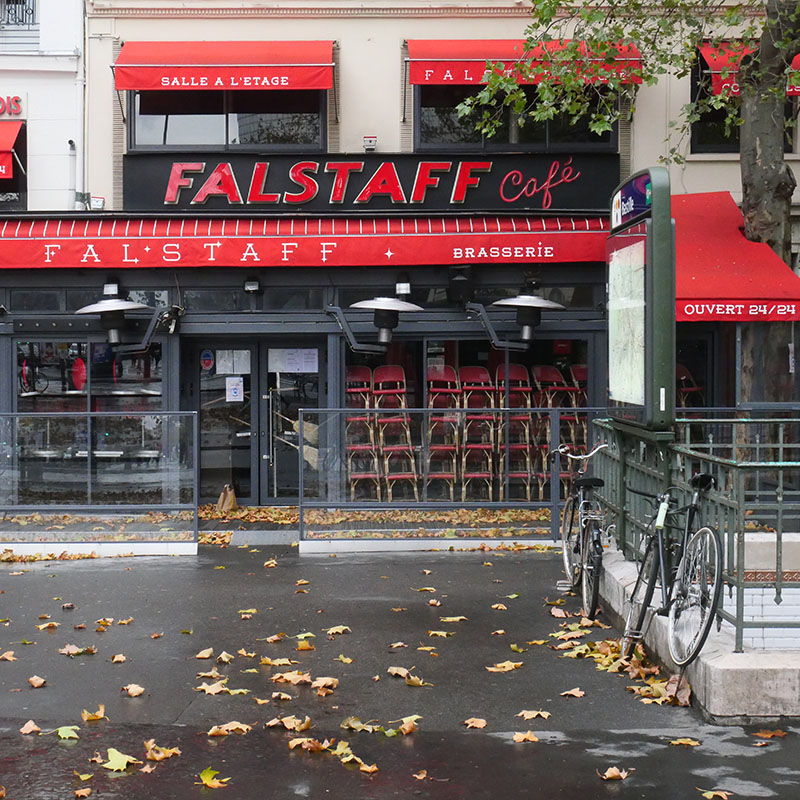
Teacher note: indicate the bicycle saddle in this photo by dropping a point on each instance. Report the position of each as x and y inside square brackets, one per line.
[591, 483]
[703, 481]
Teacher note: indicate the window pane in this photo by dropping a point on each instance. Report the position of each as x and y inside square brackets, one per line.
[274, 117]
[438, 119]
[127, 382]
[276, 299]
[179, 118]
[51, 376]
[215, 300]
[35, 300]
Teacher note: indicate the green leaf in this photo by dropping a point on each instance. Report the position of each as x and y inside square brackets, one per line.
[67, 732]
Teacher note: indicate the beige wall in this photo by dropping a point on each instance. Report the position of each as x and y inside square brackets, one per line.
[369, 35]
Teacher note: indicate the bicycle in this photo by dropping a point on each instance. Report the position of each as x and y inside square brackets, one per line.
[688, 571]
[581, 530]
[32, 379]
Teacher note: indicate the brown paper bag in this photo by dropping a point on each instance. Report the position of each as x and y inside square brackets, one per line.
[227, 499]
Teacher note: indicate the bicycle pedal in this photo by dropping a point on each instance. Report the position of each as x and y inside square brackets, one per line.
[563, 586]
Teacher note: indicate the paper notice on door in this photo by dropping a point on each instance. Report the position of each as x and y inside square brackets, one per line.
[294, 359]
[241, 362]
[224, 362]
[234, 389]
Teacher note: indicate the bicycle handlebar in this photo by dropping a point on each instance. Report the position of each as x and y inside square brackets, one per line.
[564, 450]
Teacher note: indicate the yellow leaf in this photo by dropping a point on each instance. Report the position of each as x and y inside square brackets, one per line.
[369, 768]
[766, 734]
[207, 653]
[48, 626]
[305, 645]
[84, 776]
[421, 775]
[499, 632]
[294, 677]
[119, 762]
[687, 742]
[526, 715]
[247, 611]
[85, 791]
[154, 752]
[475, 722]
[398, 672]
[29, 727]
[93, 716]
[499, 607]
[125, 621]
[576, 692]
[224, 658]
[338, 629]
[36, 681]
[271, 564]
[425, 589]
[710, 794]
[344, 659]
[441, 634]
[324, 683]
[415, 680]
[435, 603]
[517, 649]
[452, 619]
[133, 689]
[397, 645]
[525, 737]
[278, 662]
[208, 777]
[277, 696]
[505, 666]
[119, 658]
[228, 728]
[7, 656]
[614, 774]
[302, 582]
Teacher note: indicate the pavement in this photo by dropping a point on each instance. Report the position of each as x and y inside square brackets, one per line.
[167, 610]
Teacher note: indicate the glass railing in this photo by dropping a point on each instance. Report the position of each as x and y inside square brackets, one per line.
[98, 477]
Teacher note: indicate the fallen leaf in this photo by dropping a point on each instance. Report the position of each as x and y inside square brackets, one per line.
[83, 792]
[558, 613]
[710, 794]
[767, 734]
[125, 621]
[36, 681]
[421, 775]
[499, 632]
[119, 658]
[528, 736]
[228, 728]
[399, 609]
[48, 626]
[224, 658]
[154, 752]
[294, 677]
[368, 768]
[248, 611]
[537, 641]
[452, 619]
[576, 692]
[271, 564]
[416, 680]
[133, 689]
[278, 662]
[275, 638]
[305, 645]
[505, 666]
[614, 774]
[282, 696]
[156, 635]
[475, 722]
[526, 715]
[397, 645]
[344, 659]
[424, 589]
[398, 672]
[517, 649]
[687, 742]
[29, 727]
[67, 732]
[94, 716]
[500, 607]
[302, 582]
[8, 656]
[441, 634]
[338, 629]
[434, 602]
[148, 768]
[85, 776]
[207, 778]
[207, 653]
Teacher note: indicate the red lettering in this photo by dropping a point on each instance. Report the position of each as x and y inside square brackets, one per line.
[298, 175]
[465, 179]
[384, 181]
[177, 181]
[342, 170]
[424, 179]
[16, 105]
[256, 194]
[220, 182]
[556, 175]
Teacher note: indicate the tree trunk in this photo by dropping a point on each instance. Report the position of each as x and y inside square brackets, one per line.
[768, 184]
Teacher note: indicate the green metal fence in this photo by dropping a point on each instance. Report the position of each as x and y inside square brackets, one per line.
[755, 505]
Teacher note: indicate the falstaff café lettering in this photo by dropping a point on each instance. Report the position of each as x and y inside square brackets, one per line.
[339, 184]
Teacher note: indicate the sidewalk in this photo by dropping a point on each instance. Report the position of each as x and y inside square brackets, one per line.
[228, 600]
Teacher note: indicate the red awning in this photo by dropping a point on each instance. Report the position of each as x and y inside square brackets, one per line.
[720, 275]
[224, 65]
[463, 61]
[9, 130]
[723, 60]
[120, 242]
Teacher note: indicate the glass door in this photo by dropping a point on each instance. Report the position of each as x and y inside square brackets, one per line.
[228, 420]
[291, 382]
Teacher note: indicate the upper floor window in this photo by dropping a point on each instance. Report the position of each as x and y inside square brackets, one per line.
[438, 125]
[17, 12]
[228, 119]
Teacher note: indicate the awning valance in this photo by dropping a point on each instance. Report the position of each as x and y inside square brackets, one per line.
[9, 130]
[224, 65]
[463, 61]
[723, 61]
[720, 275]
[120, 242]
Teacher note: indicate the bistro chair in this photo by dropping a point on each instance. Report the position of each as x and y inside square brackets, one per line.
[515, 393]
[688, 392]
[478, 396]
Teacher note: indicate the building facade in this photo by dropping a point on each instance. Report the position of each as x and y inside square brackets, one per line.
[255, 170]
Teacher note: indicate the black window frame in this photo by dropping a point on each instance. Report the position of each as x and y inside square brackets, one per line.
[701, 79]
[226, 147]
[489, 145]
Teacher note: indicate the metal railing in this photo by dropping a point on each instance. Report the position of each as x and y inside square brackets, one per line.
[98, 477]
[438, 472]
[755, 506]
[18, 13]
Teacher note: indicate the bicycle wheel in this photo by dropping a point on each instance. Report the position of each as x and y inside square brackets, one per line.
[694, 597]
[571, 542]
[641, 596]
[591, 568]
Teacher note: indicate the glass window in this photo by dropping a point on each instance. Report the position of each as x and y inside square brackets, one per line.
[289, 299]
[215, 301]
[227, 119]
[440, 125]
[35, 300]
[51, 376]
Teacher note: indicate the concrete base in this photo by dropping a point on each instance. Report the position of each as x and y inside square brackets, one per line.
[324, 546]
[728, 687]
[102, 549]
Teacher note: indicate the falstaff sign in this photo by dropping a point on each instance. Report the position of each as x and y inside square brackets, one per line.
[348, 184]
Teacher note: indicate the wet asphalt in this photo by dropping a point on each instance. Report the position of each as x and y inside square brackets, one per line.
[227, 600]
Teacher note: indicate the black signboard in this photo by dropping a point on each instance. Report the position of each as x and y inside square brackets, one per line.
[337, 183]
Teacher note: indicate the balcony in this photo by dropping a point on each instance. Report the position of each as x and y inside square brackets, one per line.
[19, 26]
